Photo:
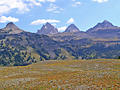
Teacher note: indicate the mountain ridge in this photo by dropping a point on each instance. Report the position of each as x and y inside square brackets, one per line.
[26, 48]
[104, 29]
[105, 25]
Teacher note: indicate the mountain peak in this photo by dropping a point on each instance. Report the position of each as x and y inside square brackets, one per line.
[72, 24]
[72, 28]
[106, 21]
[48, 29]
[11, 25]
[47, 23]
[105, 25]
[11, 28]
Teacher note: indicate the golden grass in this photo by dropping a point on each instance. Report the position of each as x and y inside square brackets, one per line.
[63, 75]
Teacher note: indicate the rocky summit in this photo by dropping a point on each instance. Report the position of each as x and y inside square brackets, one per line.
[105, 25]
[48, 29]
[104, 30]
[11, 28]
[72, 28]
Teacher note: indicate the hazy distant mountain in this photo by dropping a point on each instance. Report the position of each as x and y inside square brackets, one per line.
[48, 29]
[11, 28]
[104, 30]
[72, 28]
[105, 25]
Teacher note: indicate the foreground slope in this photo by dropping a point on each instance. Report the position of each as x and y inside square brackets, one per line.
[63, 75]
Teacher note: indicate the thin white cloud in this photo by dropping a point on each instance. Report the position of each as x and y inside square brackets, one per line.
[43, 21]
[4, 19]
[51, 0]
[62, 29]
[34, 2]
[4, 9]
[7, 5]
[41, 0]
[75, 4]
[54, 8]
[71, 20]
[100, 1]
[54, 24]
[20, 5]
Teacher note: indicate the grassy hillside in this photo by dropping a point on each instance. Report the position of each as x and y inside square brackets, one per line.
[63, 75]
[27, 48]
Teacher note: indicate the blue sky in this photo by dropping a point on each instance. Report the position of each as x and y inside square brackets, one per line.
[30, 15]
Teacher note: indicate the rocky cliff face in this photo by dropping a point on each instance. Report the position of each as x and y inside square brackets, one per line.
[48, 29]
